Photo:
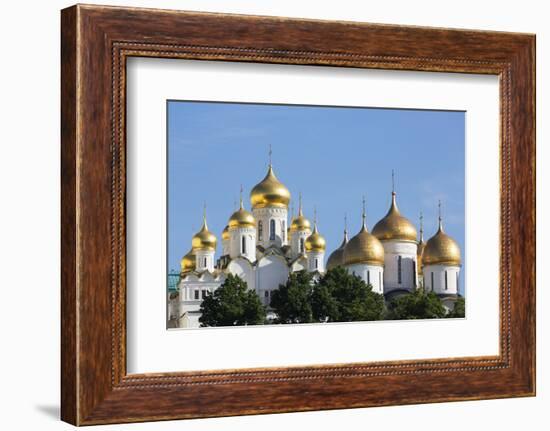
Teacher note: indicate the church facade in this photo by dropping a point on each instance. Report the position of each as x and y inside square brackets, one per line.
[263, 249]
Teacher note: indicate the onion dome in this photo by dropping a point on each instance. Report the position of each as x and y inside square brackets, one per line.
[364, 247]
[441, 249]
[225, 233]
[394, 226]
[269, 192]
[188, 262]
[336, 258]
[241, 217]
[300, 223]
[204, 239]
[315, 242]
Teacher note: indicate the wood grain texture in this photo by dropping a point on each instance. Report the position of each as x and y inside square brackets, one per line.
[96, 41]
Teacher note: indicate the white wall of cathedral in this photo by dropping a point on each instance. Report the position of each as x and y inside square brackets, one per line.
[441, 279]
[271, 271]
[297, 242]
[399, 265]
[242, 242]
[371, 274]
[242, 268]
[204, 260]
[225, 247]
[299, 265]
[271, 224]
[316, 261]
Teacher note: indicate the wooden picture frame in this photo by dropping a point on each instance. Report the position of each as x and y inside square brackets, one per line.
[95, 42]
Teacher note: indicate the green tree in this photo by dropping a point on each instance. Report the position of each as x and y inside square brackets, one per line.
[292, 301]
[342, 297]
[416, 305]
[459, 309]
[232, 304]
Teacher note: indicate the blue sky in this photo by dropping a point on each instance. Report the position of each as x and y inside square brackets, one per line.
[332, 155]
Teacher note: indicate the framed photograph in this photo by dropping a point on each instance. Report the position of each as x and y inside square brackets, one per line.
[265, 215]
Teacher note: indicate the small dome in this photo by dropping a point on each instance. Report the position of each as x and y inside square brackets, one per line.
[300, 223]
[269, 192]
[241, 218]
[394, 226]
[188, 262]
[315, 242]
[336, 258]
[225, 233]
[364, 248]
[204, 239]
[441, 249]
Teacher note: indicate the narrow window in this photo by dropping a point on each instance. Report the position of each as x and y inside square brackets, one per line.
[260, 230]
[301, 245]
[204, 293]
[271, 230]
[446, 284]
[283, 230]
[368, 277]
[456, 281]
[197, 294]
[205, 264]
[432, 275]
[266, 294]
[414, 273]
[243, 245]
[316, 263]
[399, 269]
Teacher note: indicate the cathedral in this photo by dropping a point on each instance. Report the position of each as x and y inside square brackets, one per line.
[262, 249]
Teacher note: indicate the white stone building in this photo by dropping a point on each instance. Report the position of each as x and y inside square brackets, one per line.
[262, 249]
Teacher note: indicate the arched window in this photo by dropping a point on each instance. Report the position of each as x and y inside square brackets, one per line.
[243, 245]
[301, 245]
[446, 283]
[260, 230]
[316, 263]
[205, 264]
[399, 269]
[272, 230]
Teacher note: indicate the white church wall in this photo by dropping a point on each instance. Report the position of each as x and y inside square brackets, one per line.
[392, 251]
[264, 216]
[243, 268]
[295, 240]
[236, 243]
[437, 284]
[371, 274]
[316, 261]
[270, 273]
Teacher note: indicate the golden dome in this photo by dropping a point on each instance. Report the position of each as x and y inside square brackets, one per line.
[300, 223]
[364, 247]
[336, 258]
[188, 262]
[315, 242]
[241, 218]
[269, 192]
[441, 249]
[204, 239]
[394, 226]
[225, 233]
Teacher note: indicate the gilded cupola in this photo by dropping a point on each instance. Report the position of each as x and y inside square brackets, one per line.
[188, 262]
[364, 247]
[394, 226]
[269, 192]
[241, 217]
[225, 233]
[336, 258]
[316, 241]
[300, 223]
[441, 249]
[204, 239]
